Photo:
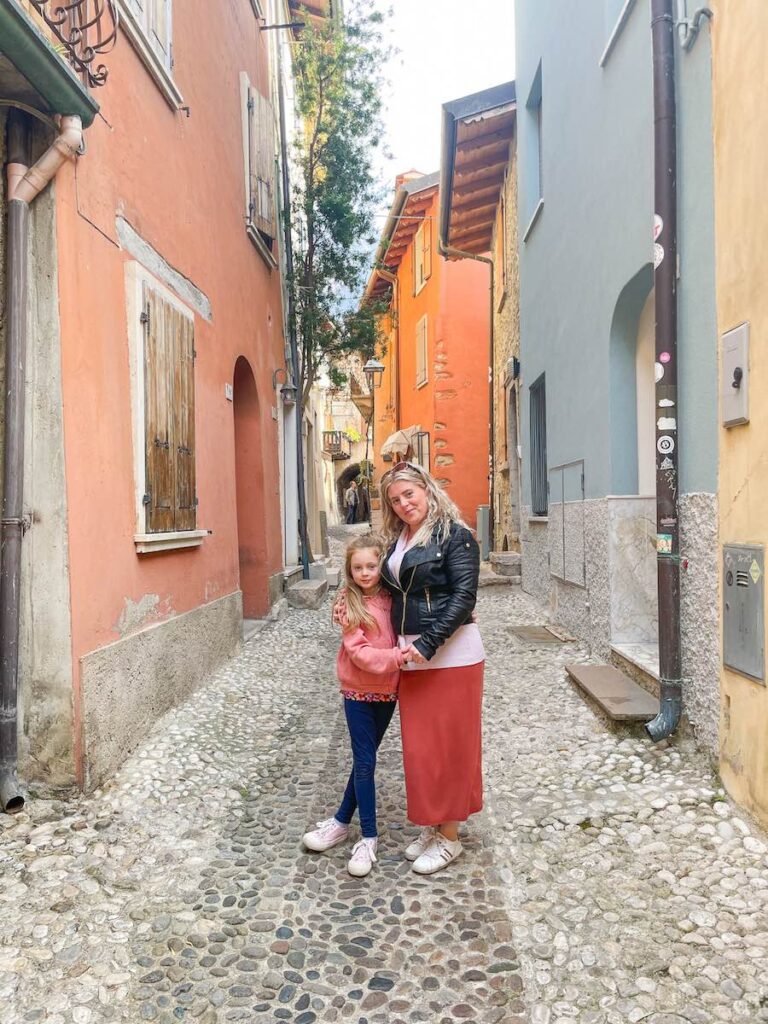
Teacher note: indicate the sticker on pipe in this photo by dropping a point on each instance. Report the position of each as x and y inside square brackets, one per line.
[658, 226]
[659, 372]
[664, 543]
[665, 444]
[665, 357]
[666, 403]
[658, 255]
[666, 463]
[666, 423]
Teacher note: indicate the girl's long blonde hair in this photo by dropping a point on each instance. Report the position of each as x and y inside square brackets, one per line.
[441, 511]
[357, 614]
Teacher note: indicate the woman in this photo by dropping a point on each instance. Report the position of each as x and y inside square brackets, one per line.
[431, 569]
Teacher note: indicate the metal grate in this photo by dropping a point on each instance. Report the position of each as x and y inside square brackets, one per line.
[86, 29]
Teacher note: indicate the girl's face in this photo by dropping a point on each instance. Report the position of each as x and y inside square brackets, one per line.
[365, 568]
[409, 502]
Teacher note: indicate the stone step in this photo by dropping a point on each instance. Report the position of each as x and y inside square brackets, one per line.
[307, 593]
[619, 696]
[640, 661]
[506, 563]
[489, 578]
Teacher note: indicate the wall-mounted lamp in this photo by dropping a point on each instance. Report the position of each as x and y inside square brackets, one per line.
[288, 392]
[374, 371]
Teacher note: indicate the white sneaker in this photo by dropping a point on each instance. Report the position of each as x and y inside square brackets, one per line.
[327, 834]
[438, 855]
[363, 857]
[420, 845]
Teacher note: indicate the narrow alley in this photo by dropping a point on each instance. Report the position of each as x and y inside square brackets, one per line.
[606, 881]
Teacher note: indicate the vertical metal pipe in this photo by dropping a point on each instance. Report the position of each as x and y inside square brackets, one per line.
[11, 527]
[667, 409]
[288, 242]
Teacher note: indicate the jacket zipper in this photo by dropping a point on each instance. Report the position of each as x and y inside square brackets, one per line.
[429, 603]
[405, 602]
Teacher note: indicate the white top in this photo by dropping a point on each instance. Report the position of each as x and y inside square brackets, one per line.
[464, 647]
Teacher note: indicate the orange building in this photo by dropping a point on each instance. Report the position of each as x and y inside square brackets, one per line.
[154, 416]
[434, 394]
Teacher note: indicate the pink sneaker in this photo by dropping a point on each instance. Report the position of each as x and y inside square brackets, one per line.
[363, 857]
[327, 834]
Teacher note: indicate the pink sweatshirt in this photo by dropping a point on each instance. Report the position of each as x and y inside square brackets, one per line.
[368, 660]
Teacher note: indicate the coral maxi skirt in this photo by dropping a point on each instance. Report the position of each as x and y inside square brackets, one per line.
[440, 721]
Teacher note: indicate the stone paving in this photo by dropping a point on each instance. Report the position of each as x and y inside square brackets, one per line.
[607, 881]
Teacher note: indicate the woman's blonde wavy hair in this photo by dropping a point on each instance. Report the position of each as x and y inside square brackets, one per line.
[356, 613]
[441, 511]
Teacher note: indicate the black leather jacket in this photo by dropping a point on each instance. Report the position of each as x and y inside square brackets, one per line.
[437, 591]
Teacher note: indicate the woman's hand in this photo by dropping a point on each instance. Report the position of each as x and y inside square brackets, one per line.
[415, 655]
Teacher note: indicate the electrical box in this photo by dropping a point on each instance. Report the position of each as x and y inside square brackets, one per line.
[743, 603]
[735, 376]
[484, 530]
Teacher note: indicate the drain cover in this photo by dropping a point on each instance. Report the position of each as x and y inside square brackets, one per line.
[539, 635]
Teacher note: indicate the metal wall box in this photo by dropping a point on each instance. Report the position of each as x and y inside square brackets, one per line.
[734, 387]
[743, 604]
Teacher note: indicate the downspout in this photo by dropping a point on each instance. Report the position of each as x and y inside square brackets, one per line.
[449, 250]
[393, 279]
[288, 242]
[24, 184]
[667, 435]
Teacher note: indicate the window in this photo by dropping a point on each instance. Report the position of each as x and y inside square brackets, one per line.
[148, 24]
[259, 155]
[534, 153]
[421, 452]
[422, 255]
[169, 415]
[422, 341]
[539, 498]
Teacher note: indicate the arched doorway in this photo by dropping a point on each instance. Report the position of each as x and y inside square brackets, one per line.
[249, 485]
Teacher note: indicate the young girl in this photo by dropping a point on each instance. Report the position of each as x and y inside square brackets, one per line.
[368, 669]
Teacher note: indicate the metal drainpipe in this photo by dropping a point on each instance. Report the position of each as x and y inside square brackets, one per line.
[667, 437]
[393, 279]
[288, 242]
[449, 250]
[11, 797]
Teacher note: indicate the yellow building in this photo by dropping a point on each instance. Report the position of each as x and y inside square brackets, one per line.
[741, 154]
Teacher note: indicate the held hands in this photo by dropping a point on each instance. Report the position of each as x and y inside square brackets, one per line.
[339, 612]
[413, 654]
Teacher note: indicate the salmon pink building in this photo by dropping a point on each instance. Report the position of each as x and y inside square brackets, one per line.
[433, 403]
[155, 353]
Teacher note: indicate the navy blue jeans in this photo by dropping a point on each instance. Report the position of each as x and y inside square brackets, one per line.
[367, 722]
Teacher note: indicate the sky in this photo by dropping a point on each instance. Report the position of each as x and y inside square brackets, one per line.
[447, 49]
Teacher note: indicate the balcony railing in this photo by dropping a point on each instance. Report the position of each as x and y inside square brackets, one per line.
[337, 444]
[85, 29]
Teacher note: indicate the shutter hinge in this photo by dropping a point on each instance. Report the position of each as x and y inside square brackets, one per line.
[147, 499]
[194, 353]
[170, 51]
[196, 501]
[251, 103]
[144, 317]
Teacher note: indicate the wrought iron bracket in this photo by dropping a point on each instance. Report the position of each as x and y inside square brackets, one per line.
[86, 29]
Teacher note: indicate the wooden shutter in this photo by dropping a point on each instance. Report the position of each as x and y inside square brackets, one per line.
[184, 423]
[158, 399]
[538, 410]
[421, 351]
[418, 259]
[160, 30]
[262, 163]
[427, 257]
[169, 390]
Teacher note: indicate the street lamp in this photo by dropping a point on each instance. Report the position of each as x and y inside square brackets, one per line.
[374, 371]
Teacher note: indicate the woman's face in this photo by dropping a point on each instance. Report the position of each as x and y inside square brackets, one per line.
[409, 502]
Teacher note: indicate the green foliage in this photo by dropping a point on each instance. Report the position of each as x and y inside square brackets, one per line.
[338, 94]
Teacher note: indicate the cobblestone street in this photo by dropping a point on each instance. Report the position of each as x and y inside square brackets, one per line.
[607, 881]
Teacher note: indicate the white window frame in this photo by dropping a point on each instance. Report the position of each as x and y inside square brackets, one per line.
[137, 28]
[422, 352]
[136, 277]
[251, 230]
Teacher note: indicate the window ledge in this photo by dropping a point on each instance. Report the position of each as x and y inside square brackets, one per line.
[146, 543]
[260, 245]
[538, 519]
[256, 5]
[421, 384]
[534, 218]
[618, 29]
[149, 58]
[504, 467]
[502, 301]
